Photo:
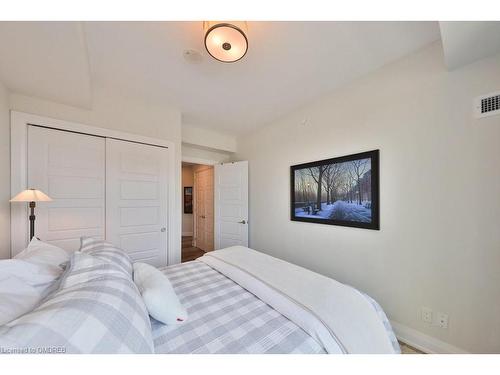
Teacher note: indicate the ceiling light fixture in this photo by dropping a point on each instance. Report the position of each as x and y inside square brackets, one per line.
[226, 41]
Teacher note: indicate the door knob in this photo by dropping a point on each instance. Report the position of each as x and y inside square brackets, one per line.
[242, 222]
[163, 229]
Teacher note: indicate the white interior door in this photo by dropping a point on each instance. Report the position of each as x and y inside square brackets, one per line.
[136, 200]
[69, 167]
[204, 208]
[231, 204]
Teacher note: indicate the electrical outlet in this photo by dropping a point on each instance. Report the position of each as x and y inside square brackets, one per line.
[442, 320]
[426, 315]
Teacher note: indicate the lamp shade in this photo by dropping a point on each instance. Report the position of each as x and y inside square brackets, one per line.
[31, 195]
[226, 41]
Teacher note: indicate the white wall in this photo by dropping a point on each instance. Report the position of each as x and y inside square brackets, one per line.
[439, 243]
[115, 111]
[110, 110]
[4, 174]
[187, 219]
[196, 154]
[208, 138]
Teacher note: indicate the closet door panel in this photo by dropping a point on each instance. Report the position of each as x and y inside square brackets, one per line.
[136, 199]
[70, 168]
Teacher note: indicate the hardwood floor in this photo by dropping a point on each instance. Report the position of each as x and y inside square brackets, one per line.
[189, 252]
[407, 349]
[187, 241]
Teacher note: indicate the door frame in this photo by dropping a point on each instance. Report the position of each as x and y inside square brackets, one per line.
[19, 122]
[189, 159]
[209, 162]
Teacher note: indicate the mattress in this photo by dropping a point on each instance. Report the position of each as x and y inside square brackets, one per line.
[225, 318]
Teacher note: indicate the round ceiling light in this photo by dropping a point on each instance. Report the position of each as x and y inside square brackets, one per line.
[226, 41]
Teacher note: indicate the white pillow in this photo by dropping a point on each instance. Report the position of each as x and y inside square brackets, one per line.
[28, 278]
[158, 294]
[17, 298]
[36, 275]
[43, 253]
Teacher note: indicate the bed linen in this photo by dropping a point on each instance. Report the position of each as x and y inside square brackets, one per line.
[17, 297]
[43, 253]
[337, 315]
[107, 252]
[225, 318]
[96, 309]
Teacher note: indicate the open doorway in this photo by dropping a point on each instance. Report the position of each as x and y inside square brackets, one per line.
[198, 210]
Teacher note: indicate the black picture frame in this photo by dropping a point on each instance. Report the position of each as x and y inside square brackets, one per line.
[302, 210]
[188, 199]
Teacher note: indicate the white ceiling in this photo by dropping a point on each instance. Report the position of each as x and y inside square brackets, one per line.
[47, 60]
[468, 41]
[287, 65]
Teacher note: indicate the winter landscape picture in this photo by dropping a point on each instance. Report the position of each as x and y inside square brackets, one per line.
[339, 191]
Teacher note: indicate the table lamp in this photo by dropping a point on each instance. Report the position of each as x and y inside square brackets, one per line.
[32, 196]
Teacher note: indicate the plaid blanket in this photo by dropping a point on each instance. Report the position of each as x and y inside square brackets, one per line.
[225, 318]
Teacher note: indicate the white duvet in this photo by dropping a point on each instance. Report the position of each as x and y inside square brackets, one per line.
[338, 316]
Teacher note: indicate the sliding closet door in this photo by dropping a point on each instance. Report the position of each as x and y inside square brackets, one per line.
[136, 200]
[69, 167]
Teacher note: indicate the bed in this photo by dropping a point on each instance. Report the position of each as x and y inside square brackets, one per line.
[238, 301]
[234, 309]
[225, 318]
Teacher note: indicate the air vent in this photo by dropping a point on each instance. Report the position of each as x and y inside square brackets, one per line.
[487, 105]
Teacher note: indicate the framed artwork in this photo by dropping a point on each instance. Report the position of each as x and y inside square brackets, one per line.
[338, 191]
[188, 199]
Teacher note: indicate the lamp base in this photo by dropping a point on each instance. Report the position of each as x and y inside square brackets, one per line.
[32, 220]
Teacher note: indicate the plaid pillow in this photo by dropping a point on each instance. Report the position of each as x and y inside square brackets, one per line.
[108, 252]
[97, 309]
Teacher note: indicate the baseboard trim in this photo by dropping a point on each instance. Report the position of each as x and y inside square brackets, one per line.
[187, 234]
[423, 342]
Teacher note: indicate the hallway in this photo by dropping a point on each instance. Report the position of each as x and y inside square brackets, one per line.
[189, 252]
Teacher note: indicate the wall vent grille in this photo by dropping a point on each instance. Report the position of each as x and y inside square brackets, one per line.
[487, 105]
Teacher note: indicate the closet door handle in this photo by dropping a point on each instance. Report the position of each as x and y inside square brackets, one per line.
[163, 229]
[242, 222]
